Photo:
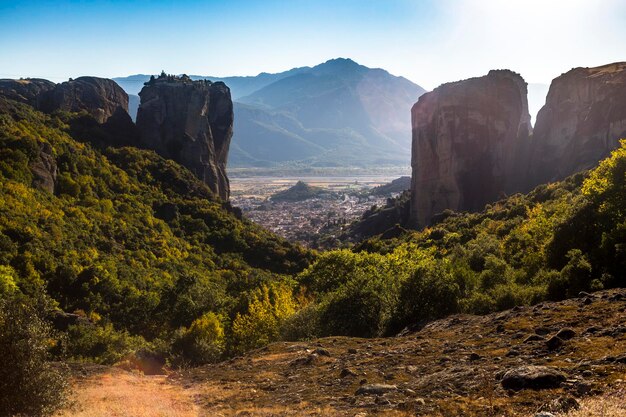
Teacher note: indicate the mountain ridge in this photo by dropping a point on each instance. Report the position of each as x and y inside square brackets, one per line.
[332, 113]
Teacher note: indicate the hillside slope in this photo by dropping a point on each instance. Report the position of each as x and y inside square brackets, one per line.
[462, 365]
[130, 247]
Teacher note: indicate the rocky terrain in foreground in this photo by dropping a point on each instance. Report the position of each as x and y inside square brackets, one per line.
[546, 358]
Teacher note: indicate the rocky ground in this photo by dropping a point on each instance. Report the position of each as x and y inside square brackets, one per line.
[553, 359]
[547, 357]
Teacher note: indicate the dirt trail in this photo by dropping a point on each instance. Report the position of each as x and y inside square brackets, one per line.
[118, 393]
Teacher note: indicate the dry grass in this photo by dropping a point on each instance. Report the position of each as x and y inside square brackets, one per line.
[608, 405]
[121, 394]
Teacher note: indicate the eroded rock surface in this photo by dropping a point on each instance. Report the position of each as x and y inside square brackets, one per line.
[27, 90]
[190, 122]
[469, 138]
[581, 122]
[100, 97]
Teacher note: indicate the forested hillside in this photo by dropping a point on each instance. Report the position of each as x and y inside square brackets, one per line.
[558, 240]
[131, 250]
[136, 253]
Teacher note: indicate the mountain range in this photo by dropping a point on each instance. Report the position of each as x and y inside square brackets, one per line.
[338, 113]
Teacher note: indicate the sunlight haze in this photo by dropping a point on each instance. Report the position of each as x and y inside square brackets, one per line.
[428, 42]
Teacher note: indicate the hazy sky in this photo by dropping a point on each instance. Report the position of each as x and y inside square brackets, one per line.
[429, 41]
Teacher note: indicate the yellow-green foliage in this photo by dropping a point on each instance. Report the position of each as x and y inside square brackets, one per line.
[203, 341]
[558, 240]
[127, 235]
[270, 306]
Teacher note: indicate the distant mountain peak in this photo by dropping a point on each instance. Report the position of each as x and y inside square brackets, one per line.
[336, 64]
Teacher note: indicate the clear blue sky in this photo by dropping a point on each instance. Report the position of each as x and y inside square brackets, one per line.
[429, 42]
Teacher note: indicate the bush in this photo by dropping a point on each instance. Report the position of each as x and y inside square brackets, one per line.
[29, 383]
[203, 342]
[430, 293]
[362, 307]
[269, 308]
[303, 325]
[101, 344]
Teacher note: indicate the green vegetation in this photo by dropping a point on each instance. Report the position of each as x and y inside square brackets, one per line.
[146, 258]
[133, 244]
[558, 240]
[29, 384]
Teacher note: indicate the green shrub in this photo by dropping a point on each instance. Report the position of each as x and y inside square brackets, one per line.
[203, 342]
[362, 307]
[101, 343]
[269, 308]
[30, 384]
[431, 292]
[303, 325]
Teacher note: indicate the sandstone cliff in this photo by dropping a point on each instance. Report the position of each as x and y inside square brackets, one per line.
[469, 138]
[29, 90]
[581, 122]
[190, 122]
[100, 97]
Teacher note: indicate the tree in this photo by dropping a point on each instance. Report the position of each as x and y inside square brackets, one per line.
[29, 383]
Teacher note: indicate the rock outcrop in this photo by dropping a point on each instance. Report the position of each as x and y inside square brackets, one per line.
[190, 122]
[44, 169]
[100, 97]
[469, 138]
[581, 122]
[28, 90]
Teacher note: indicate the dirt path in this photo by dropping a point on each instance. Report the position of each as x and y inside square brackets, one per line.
[119, 394]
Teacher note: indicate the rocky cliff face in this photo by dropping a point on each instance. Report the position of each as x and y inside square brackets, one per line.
[103, 99]
[469, 138]
[581, 122]
[44, 169]
[29, 90]
[190, 122]
[100, 97]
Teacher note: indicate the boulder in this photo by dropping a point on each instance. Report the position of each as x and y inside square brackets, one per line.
[190, 122]
[532, 377]
[469, 142]
[375, 389]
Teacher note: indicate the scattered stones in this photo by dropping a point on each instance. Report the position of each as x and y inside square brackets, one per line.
[554, 343]
[534, 338]
[346, 372]
[542, 331]
[305, 360]
[561, 405]
[375, 389]
[322, 352]
[532, 377]
[566, 334]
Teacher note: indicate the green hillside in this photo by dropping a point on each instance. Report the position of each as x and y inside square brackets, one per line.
[134, 246]
[551, 244]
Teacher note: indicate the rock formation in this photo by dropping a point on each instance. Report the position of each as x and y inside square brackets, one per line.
[469, 142]
[29, 90]
[100, 97]
[44, 169]
[581, 122]
[190, 122]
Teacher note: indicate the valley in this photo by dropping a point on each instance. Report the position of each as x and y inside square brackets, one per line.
[315, 222]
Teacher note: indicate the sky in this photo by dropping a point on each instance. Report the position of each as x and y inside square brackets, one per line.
[427, 41]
